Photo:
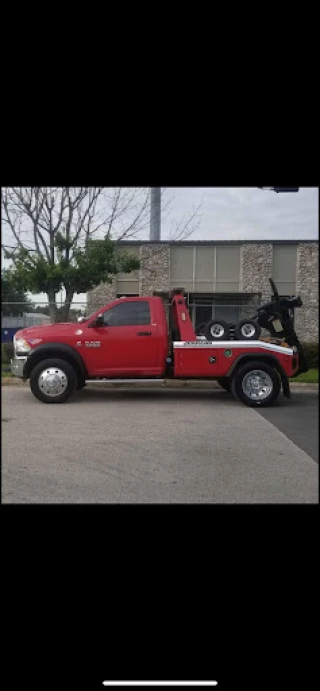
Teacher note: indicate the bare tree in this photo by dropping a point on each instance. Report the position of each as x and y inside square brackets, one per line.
[48, 225]
[45, 227]
[183, 229]
[139, 226]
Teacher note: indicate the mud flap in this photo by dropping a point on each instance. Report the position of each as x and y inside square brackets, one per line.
[285, 385]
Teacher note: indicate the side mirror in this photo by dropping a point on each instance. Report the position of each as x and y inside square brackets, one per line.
[80, 320]
[97, 322]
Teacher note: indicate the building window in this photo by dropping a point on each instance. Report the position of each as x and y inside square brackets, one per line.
[206, 269]
[285, 268]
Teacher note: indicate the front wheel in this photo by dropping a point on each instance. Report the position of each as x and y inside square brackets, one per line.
[256, 384]
[53, 381]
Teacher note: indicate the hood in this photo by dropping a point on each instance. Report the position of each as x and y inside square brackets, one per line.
[43, 330]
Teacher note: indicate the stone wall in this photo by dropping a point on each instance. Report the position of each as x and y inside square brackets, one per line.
[101, 295]
[154, 268]
[307, 317]
[257, 266]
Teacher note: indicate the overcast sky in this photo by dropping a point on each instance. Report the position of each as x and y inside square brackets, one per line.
[245, 213]
[239, 213]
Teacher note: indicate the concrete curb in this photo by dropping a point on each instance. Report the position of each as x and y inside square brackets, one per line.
[167, 384]
[11, 381]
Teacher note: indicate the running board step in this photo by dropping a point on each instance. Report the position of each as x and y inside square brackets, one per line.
[124, 381]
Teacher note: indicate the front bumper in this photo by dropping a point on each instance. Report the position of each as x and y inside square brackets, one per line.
[17, 365]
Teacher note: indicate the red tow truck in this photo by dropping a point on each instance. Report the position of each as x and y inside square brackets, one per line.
[130, 340]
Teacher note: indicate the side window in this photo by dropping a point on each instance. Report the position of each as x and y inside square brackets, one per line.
[128, 314]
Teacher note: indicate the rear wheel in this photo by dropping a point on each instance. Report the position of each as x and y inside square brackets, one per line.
[256, 384]
[217, 330]
[53, 381]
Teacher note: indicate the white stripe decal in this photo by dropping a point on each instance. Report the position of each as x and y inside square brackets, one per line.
[160, 683]
[232, 345]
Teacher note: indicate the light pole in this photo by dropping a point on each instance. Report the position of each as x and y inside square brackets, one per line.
[155, 214]
[280, 189]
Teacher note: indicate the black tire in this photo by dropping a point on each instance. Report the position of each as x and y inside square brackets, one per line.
[247, 330]
[222, 334]
[200, 329]
[224, 382]
[239, 384]
[81, 383]
[67, 385]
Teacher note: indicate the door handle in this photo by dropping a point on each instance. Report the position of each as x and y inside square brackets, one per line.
[144, 333]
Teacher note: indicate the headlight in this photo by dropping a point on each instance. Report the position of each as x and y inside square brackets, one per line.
[21, 346]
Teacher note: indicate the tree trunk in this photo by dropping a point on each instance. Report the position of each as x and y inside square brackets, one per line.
[66, 307]
[52, 307]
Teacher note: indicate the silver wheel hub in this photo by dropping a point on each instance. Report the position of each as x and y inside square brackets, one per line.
[257, 385]
[52, 381]
[248, 330]
[217, 331]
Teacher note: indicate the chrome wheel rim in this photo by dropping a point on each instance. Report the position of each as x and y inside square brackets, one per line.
[52, 381]
[248, 330]
[217, 331]
[257, 385]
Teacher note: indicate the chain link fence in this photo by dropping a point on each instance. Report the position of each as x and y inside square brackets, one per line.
[15, 316]
[20, 310]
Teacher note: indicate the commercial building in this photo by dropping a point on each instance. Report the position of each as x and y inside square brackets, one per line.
[224, 280]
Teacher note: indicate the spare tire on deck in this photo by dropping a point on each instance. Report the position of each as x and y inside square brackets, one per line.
[247, 330]
[217, 330]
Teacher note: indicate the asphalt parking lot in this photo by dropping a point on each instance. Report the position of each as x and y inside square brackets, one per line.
[298, 419]
[158, 446]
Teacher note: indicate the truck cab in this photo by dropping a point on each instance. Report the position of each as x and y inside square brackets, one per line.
[128, 338]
